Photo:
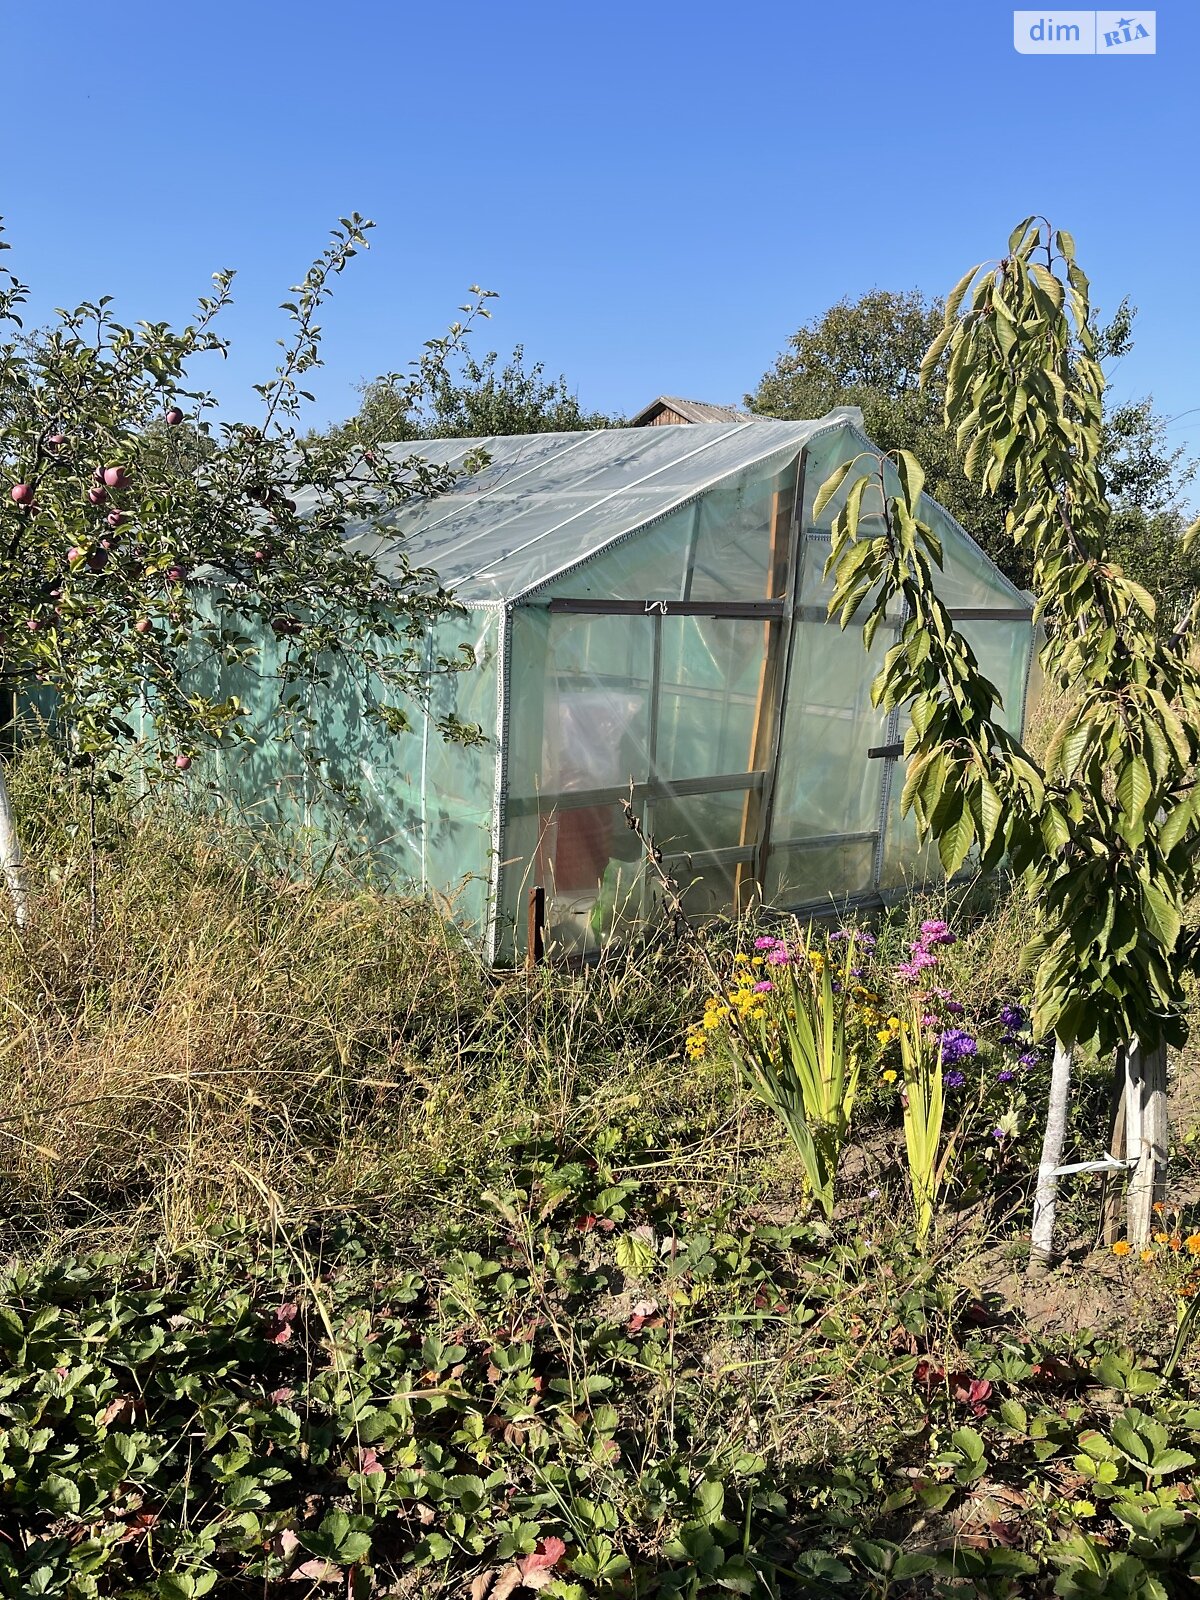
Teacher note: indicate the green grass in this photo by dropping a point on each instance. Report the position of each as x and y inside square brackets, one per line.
[337, 1259]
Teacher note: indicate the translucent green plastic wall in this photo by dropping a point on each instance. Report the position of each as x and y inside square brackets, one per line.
[414, 807]
[828, 783]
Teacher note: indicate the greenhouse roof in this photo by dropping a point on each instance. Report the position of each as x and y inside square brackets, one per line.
[547, 501]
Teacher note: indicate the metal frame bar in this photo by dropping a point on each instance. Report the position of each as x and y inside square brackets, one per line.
[730, 855]
[812, 613]
[821, 841]
[617, 794]
[748, 610]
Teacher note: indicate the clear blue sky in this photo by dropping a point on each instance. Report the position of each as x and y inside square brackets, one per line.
[660, 193]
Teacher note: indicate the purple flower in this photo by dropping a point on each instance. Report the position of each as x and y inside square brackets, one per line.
[867, 941]
[954, 1007]
[778, 957]
[873, 1194]
[930, 1020]
[764, 987]
[955, 1079]
[957, 1045]
[766, 942]
[1029, 1059]
[1013, 1018]
[842, 933]
[1006, 1076]
[919, 961]
[999, 1133]
[936, 932]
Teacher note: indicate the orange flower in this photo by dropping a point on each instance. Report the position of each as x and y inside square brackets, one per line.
[1122, 1247]
[1159, 1207]
[1147, 1255]
[1192, 1244]
[1176, 1242]
[1160, 1238]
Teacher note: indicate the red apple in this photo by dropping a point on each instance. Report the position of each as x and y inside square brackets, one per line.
[76, 553]
[143, 625]
[116, 518]
[98, 560]
[56, 441]
[22, 493]
[285, 626]
[116, 477]
[175, 574]
[182, 763]
[32, 624]
[174, 417]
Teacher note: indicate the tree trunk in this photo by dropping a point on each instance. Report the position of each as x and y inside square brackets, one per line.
[1041, 1243]
[11, 861]
[1145, 1138]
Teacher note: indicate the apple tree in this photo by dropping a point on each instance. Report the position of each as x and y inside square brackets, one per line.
[143, 541]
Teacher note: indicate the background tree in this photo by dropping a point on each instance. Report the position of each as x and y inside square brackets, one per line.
[471, 399]
[142, 548]
[1106, 832]
[868, 352]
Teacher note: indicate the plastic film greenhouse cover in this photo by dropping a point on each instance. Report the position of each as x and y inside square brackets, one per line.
[546, 502]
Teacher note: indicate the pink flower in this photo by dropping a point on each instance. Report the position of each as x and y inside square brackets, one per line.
[764, 987]
[778, 957]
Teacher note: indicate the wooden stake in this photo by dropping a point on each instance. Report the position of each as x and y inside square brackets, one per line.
[1111, 1195]
[1041, 1242]
[535, 944]
[1146, 1138]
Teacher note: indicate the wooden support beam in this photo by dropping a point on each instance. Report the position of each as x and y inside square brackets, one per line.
[535, 947]
[769, 699]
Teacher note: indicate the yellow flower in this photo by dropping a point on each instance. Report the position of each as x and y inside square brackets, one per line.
[1122, 1247]
[756, 961]
[1192, 1244]
[889, 1076]
[1160, 1238]
[894, 1024]
[884, 1036]
[741, 958]
[1147, 1255]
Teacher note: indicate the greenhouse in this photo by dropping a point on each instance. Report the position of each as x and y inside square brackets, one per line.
[646, 607]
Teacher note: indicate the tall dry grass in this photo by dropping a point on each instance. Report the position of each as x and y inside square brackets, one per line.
[236, 1027]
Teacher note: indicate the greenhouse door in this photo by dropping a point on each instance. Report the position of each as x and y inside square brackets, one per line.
[696, 745]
